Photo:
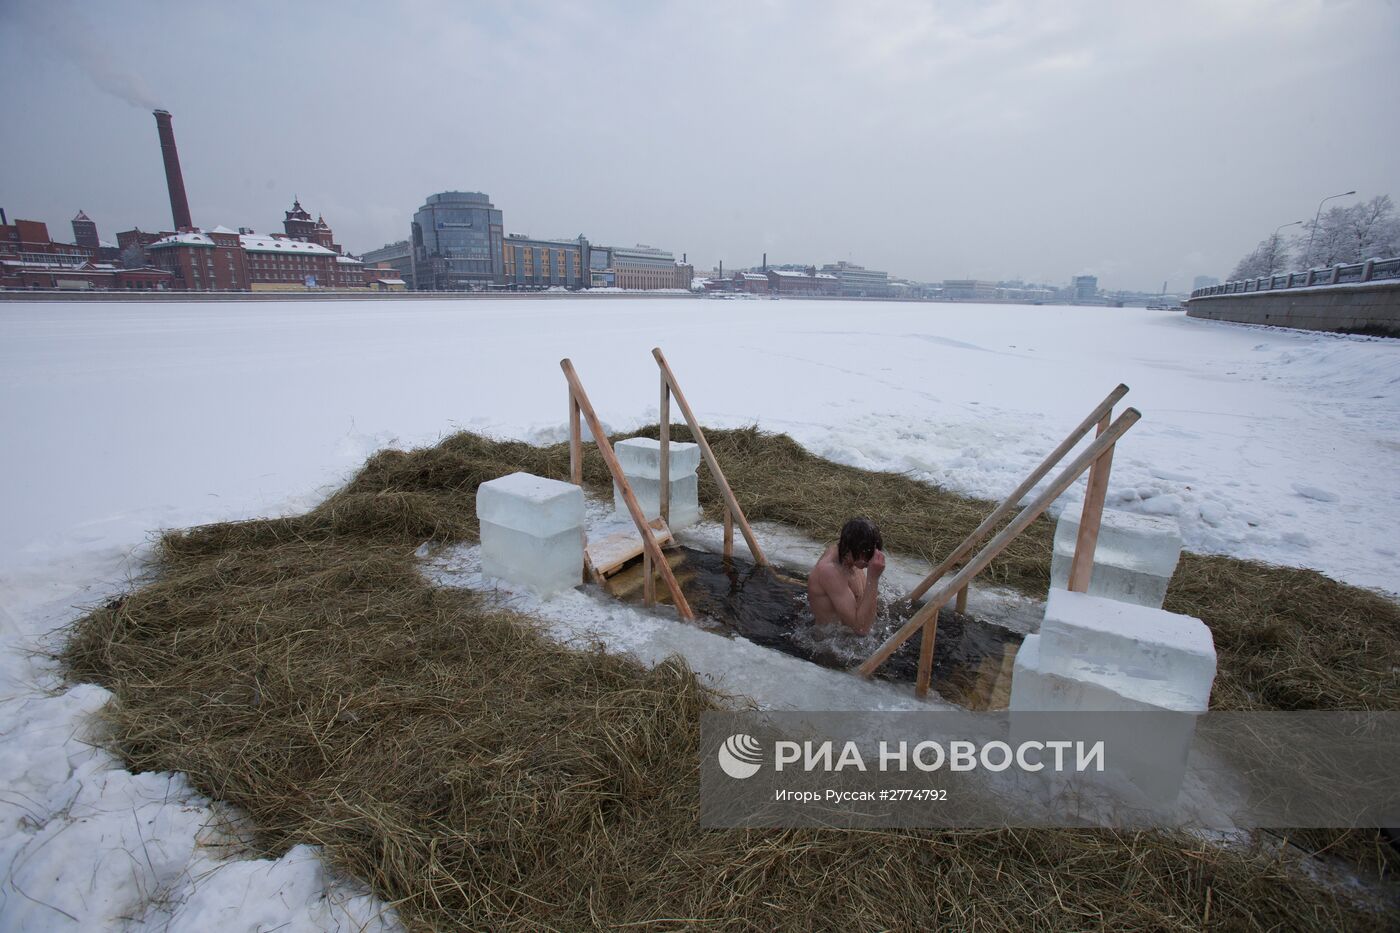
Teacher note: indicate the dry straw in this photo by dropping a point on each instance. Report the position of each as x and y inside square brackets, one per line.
[480, 776]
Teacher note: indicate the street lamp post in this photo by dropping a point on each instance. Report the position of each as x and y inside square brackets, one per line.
[1312, 235]
[1273, 245]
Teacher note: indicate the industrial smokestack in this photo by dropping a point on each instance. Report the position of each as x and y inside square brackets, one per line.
[179, 205]
[765, 262]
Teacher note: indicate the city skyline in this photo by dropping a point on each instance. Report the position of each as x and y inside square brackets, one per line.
[1084, 141]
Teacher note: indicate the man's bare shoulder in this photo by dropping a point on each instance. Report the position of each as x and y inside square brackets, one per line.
[827, 573]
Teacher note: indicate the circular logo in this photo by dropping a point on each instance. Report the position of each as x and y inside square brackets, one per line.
[740, 756]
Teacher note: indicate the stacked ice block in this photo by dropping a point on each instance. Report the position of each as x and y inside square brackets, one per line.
[531, 532]
[1100, 655]
[641, 463]
[1133, 560]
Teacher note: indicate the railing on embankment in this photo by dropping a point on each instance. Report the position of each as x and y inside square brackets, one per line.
[1372, 270]
[1361, 297]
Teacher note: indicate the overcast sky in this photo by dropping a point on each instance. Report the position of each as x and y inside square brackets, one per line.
[1139, 141]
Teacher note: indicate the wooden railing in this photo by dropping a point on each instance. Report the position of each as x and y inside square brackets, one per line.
[653, 561]
[732, 510]
[580, 407]
[1097, 458]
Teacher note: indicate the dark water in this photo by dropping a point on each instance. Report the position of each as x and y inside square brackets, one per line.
[971, 658]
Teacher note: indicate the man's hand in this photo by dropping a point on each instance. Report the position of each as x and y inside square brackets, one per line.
[876, 565]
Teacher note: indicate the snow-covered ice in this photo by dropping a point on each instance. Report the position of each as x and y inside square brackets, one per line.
[121, 419]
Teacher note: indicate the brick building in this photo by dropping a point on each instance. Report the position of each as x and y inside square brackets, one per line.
[304, 256]
[794, 283]
[30, 259]
[203, 262]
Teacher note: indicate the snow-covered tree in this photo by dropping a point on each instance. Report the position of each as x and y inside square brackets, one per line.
[1355, 233]
[1269, 258]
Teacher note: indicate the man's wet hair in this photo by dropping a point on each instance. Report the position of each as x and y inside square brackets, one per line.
[860, 539]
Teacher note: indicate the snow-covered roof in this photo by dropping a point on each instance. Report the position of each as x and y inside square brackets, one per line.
[790, 273]
[348, 260]
[186, 239]
[254, 243]
[222, 229]
[826, 275]
[391, 281]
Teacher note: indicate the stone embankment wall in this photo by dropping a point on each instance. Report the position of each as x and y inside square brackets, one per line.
[1372, 307]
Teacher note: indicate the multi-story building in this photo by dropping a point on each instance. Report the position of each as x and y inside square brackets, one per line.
[859, 282]
[458, 242]
[30, 259]
[397, 256]
[643, 267]
[531, 263]
[305, 256]
[808, 283]
[85, 232]
[969, 290]
[752, 283]
[1084, 288]
[203, 262]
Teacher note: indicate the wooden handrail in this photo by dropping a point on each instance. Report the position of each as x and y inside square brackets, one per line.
[664, 453]
[579, 402]
[929, 612]
[1090, 518]
[730, 501]
[1101, 411]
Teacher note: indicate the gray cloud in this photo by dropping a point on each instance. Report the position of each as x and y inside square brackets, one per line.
[1141, 142]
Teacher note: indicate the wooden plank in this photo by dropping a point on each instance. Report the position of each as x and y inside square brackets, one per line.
[1082, 567]
[600, 437]
[1020, 523]
[728, 533]
[709, 455]
[575, 443]
[665, 453]
[611, 553]
[926, 657]
[648, 581]
[1009, 503]
[961, 604]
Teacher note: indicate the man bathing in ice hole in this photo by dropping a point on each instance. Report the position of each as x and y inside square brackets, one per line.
[844, 584]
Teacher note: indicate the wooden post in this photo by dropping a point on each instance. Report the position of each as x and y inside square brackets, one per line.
[961, 604]
[710, 461]
[575, 443]
[664, 493]
[1082, 567]
[648, 580]
[994, 547]
[926, 657]
[728, 533]
[1103, 409]
[649, 545]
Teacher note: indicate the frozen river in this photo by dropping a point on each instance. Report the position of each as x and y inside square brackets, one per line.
[122, 419]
